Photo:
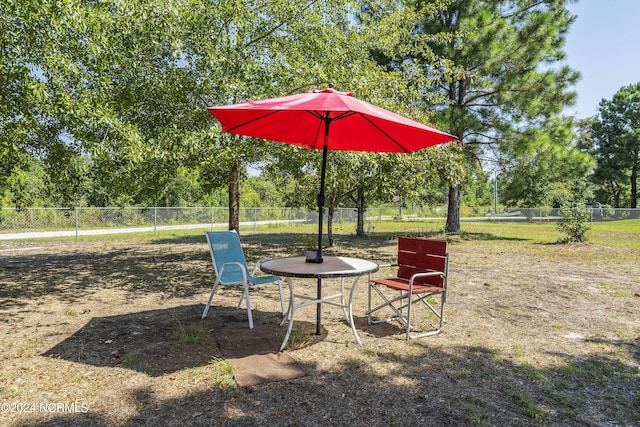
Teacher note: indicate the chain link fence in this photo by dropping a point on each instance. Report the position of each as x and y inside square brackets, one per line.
[93, 220]
[553, 214]
[51, 222]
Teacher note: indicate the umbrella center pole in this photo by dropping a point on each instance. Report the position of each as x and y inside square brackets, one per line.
[321, 197]
[321, 200]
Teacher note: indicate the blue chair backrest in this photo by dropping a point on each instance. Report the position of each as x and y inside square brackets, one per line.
[225, 247]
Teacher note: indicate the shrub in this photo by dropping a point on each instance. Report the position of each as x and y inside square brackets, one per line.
[574, 223]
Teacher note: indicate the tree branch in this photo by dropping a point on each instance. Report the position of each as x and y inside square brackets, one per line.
[277, 27]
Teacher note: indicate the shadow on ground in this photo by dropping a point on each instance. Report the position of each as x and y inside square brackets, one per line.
[442, 391]
[155, 342]
[159, 342]
[74, 275]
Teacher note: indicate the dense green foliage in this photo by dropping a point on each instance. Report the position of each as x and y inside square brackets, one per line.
[616, 145]
[104, 103]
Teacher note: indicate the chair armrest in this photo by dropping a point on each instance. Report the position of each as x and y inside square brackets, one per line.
[430, 274]
[239, 264]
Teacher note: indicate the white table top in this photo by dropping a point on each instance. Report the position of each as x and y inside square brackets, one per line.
[332, 266]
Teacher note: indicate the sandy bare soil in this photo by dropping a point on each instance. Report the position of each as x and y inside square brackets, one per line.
[535, 335]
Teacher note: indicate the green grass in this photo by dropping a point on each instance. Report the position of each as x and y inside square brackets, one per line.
[614, 233]
[130, 360]
[622, 233]
[219, 372]
[188, 335]
[70, 312]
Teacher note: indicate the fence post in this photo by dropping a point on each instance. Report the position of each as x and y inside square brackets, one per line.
[155, 220]
[212, 217]
[77, 223]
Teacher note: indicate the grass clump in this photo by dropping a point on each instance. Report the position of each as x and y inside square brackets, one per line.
[188, 335]
[222, 373]
[131, 360]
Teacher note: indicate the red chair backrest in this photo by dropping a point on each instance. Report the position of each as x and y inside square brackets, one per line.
[416, 255]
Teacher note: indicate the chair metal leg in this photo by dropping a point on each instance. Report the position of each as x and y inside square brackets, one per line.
[213, 291]
[246, 294]
[406, 301]
[387, 303]
[440, 315]
[241, 299]
[409, 306]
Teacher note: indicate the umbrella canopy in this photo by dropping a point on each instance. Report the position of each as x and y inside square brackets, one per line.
[327, 120]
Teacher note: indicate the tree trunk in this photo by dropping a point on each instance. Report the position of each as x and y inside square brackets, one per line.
[634, 187]
[360, 211]
[615, 193]
[634, 192]
[457, 94]
[234, 196]
[453, 209]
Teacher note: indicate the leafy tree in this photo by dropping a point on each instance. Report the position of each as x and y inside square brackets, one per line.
[90, 81]
[259, 192]
[25, 126]
[617, 138]
[499, 72]
[25, 187]
[546, 174]
[477, 189]
[283, 47]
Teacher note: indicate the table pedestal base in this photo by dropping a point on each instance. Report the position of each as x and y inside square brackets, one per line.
[347, 307]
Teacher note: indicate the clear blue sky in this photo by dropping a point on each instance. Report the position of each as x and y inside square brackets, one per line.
[603, 46]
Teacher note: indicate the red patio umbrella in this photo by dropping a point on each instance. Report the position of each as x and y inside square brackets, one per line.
[328, 120]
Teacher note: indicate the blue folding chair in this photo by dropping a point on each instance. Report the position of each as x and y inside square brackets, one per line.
[230, 266]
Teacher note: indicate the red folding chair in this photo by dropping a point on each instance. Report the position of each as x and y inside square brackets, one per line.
[421, 276]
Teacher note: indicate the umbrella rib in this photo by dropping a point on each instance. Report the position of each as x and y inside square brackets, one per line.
[322, 117]
[316, 114]
[252, 120]
[404, 150]
[343, 115]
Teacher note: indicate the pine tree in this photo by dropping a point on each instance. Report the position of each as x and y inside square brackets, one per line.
[501, 71]
[617, 135]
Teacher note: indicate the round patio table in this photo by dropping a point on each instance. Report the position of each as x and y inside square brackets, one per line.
[331, 267]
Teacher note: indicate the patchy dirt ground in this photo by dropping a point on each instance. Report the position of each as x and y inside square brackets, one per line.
[92, 333]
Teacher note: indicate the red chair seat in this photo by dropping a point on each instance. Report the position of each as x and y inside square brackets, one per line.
[403, 285]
